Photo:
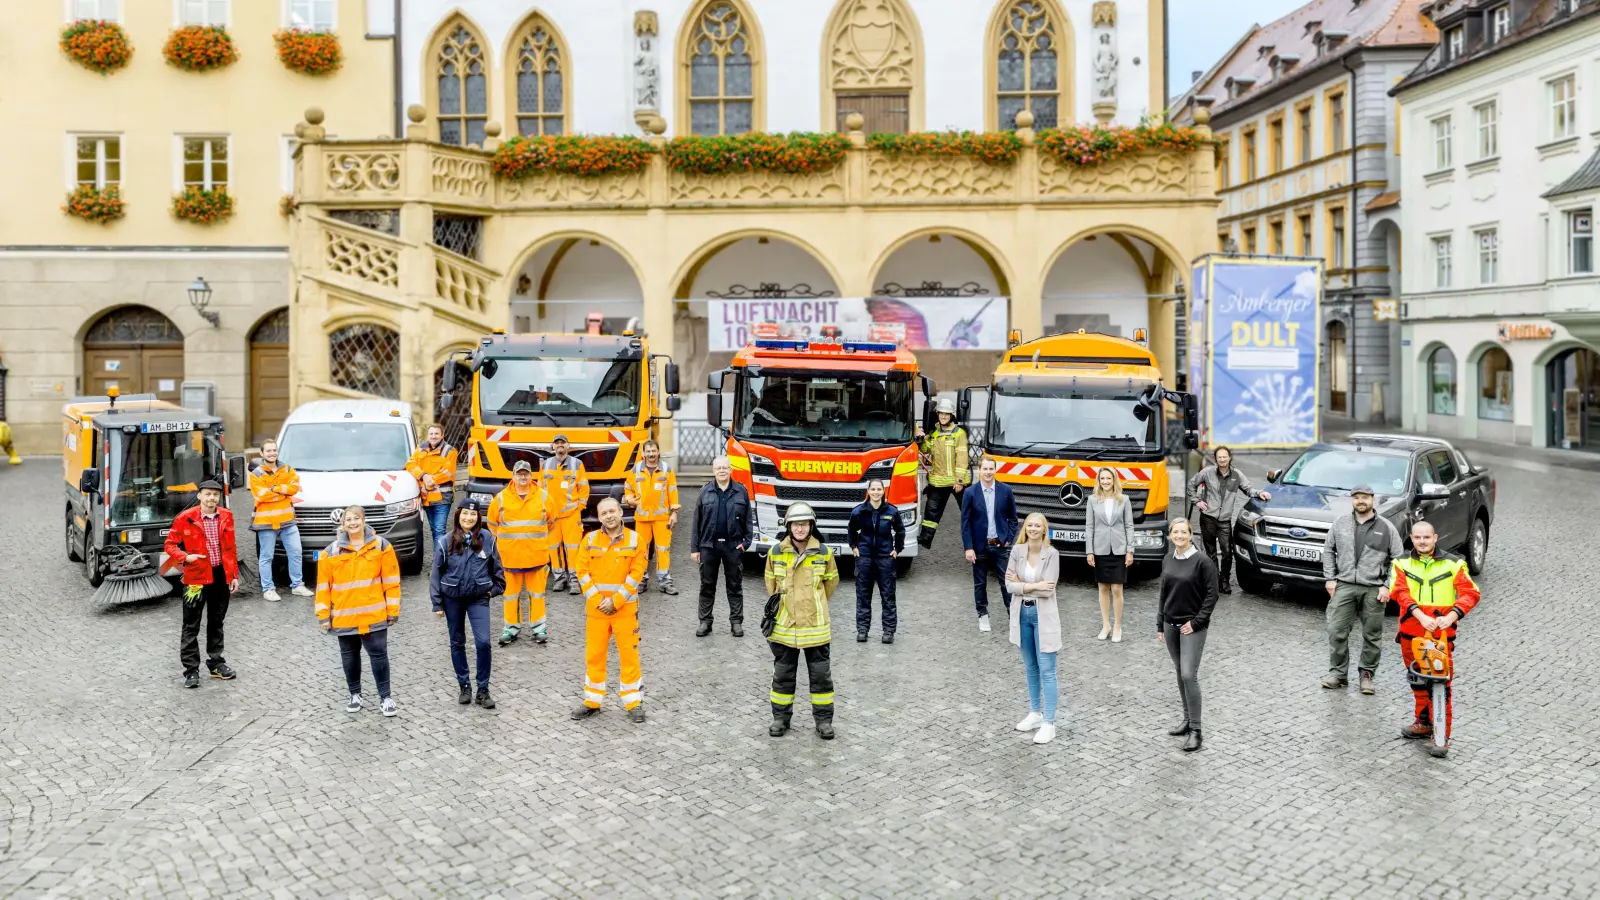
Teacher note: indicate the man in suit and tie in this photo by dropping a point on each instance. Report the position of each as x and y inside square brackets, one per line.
[988, 529]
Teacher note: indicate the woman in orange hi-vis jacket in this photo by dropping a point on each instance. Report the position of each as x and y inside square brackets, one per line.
[434, 467]
[652, 491]
[358, 599]
[566, 494]
[517, 520]
[610, 564]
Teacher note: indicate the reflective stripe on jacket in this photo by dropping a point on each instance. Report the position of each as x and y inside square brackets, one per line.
[440, 463]
[806, 580]
[272, 486]
[467, 574]
[654, 493]
[520, 527]
[949, 463]
[610, 568]
[1438, 584]
[358, 591]
[566, 487]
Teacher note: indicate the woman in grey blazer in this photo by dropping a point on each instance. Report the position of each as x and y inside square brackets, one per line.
[1108, 539]
[1031, 575]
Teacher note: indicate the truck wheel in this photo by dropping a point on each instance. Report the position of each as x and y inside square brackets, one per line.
[902, 566]
[91, 563]
[1251, 580]
[74, 544]
[1478, 546]
[754, 564]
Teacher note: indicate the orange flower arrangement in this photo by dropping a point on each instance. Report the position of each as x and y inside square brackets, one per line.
[310, 52]
[92, 204]
[997, 148]
[587, 156]
[287, 206]
[201, 206]
[1083, 145]
[200, 48]
[97, 45]
[800, 153]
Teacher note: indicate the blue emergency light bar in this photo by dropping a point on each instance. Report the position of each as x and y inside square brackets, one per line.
[869, 347]
[781, 345]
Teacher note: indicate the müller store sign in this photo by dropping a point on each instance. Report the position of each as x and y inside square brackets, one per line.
[1506, 332]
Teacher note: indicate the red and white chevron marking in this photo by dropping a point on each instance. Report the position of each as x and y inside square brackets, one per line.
[1090, 473]
[385, 487]
[499, 434]
[620, 437]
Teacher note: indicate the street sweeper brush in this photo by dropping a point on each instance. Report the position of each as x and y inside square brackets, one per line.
[130, 577]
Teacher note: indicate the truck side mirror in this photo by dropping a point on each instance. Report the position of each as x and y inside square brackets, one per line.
[447, 384]
[1191, 413]
[446, 400]
[675, 403]
[236, 473]
[89, 481]
[714, 381]
[1191, 441]
[714, 410]
[669, 379]
[963, 405]
[930, 414]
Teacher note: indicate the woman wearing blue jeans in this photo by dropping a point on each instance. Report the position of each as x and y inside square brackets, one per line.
[1031, 577]
[466, 573]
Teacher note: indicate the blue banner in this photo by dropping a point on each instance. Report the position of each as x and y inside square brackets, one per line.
[1262, 378]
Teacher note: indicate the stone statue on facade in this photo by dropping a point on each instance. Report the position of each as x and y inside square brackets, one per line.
[646, 67]
[1104, 20]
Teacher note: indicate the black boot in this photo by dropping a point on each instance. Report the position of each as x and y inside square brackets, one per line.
[825, 729]
[1193, 743]
[484, 700]
[1181, 730]
[888, 637]
[1225, 587]
[780, 721]
[465, 696]
[861, 636]
[703, 630]
[736, 629]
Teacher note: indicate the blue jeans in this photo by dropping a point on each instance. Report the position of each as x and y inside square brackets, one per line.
[456, 615]
[438, 519]
[1041, 667]
[266, 546]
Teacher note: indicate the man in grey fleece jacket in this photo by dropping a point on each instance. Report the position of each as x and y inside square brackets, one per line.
[1220, 491]
[1357, 557]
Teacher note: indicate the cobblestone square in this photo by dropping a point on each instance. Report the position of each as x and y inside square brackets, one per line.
[116, 782]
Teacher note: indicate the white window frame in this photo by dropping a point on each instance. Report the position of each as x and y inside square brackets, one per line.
[1499, 22]
[1456, 39]
[1488, 128]
[1443, 260]
[286, 147]
[1487, 240]
[1443, 152]
[288, 14]
[178, 20]
[70, 10]
[177, 160]
[100, 156]
[1562, 108]
[1338, 235]
[1574, 237]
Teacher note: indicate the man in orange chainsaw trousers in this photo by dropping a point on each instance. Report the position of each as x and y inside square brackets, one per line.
[1434, 591]
[610, 563]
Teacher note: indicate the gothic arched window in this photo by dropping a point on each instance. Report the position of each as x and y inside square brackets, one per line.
[1031, 47]
[538, 68]
[720, 58]
[461, 86]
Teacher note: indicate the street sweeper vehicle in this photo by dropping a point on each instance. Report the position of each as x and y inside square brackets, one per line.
[130, 465]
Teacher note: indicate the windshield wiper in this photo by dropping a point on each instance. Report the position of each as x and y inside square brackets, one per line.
[522, 418]
[615, 419]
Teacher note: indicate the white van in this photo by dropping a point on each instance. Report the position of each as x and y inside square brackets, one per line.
[353, 453]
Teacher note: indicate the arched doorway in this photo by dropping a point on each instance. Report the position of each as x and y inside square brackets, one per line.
[1338, 367]
[570, 280]
[136, 350]
[1118, 281]
[1573, 384]
[946, 295]
[269, 376]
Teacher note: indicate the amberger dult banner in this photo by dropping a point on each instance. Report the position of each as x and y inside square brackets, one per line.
[1261, 384]
[918, 323]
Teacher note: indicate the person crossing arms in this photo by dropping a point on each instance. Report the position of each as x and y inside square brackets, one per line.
[276, 490]
[652, 491]
[1357, 559]
[945, 454]
[1434, 591]
[517, 519]
[566, 495]
[802, 573]
[609, 564]
[434, 467]
[358, 600]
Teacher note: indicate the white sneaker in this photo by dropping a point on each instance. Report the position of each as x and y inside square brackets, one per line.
[983, 623]
[301, 590]
[1045, 734]
[354, 706]
[1033, 720]
[388, 706]
[271, 595]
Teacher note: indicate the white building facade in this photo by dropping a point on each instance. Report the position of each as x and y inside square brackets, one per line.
[1501, 179]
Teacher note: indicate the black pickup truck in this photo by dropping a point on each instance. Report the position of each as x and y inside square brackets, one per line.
[1280, 540]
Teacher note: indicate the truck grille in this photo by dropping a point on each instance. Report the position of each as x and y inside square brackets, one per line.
[317, 528]
[853, 494]
[1274, 530]
[1046, 499]
[883, 468]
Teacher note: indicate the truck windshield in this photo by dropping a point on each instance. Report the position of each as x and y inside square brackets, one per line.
[555, 387]
[345, 446]
[819, 406]
[156, 476]
[1344, 469]
[1042, 420]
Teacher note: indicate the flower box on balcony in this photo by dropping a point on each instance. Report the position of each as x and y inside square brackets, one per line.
[97, 45]
[586, 156]
[200, 48]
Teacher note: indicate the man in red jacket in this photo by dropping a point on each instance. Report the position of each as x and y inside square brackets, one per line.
[202, 544]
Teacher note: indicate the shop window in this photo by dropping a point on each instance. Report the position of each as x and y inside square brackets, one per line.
[1494, 385]
[1442, 382]
[1574, 381]
[1338, 367]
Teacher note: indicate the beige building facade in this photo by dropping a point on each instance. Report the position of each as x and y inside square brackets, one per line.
[84, 305]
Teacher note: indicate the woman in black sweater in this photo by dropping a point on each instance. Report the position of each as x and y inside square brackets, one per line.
[1188, 596]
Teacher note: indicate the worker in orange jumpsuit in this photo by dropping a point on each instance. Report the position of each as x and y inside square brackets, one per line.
[610, 563]
[517, 520]
[652, 491]
[566, 495]
[1434, 591]
[434, 467]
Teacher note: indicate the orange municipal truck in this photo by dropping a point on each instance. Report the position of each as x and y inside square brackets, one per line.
[606, 393]
[1065, 406]
[817, 420]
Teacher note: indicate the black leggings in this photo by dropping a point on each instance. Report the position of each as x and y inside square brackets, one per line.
[377, 644]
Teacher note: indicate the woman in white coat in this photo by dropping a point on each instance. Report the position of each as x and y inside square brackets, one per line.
[1036, 622]
[1108, 538]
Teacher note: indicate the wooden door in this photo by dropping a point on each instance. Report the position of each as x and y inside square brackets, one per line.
[269, 390]
[163, 372]
[885, 113]
[135, 349]
[108, 367]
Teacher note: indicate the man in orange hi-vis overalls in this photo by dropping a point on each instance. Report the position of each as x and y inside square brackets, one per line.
[610, 564]
[516, 517]
[566, 494]
[652, 491]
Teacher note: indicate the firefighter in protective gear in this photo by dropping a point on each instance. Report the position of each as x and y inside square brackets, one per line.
[802, 572]
[652, 491]
[434, 467]
[566, 495]
[945, 454]
[610, 563]
[516, 518]
[1434, 591]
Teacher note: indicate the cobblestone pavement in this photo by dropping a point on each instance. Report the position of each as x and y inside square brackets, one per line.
[116, 782]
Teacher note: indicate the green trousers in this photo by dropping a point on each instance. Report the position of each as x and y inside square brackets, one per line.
[1354, 603]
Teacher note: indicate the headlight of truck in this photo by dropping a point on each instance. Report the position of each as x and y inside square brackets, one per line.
[908, 516]
[135, 536]
[1149, 538]
[758, 458]
[1249, 519]
[404, 507]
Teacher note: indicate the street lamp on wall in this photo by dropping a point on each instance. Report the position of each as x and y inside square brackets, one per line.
[200, 298]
